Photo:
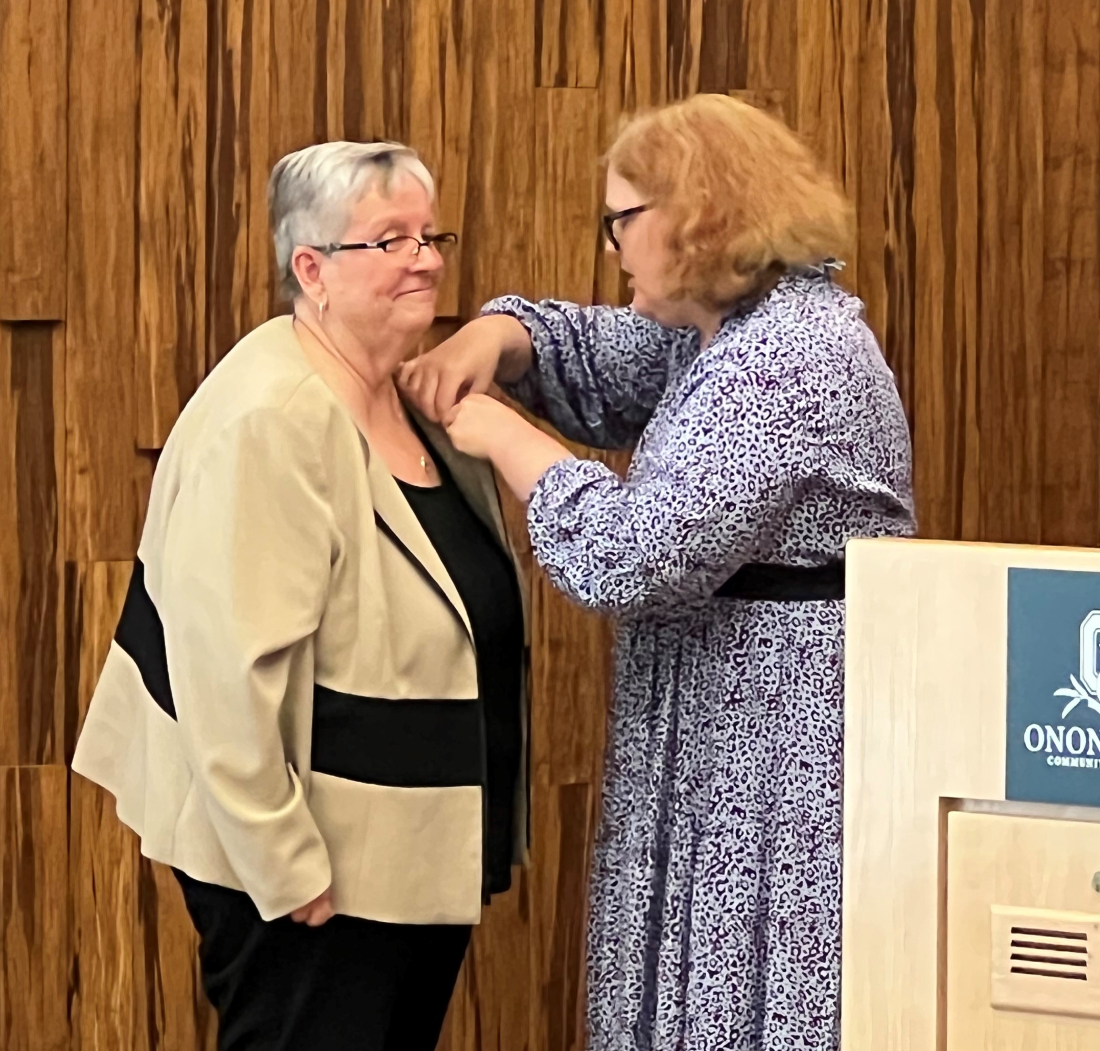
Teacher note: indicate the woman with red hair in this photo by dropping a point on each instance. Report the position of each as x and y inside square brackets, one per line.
[767, 432]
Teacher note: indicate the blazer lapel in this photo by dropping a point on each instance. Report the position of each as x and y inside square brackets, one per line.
[474, 478]
[405, 530]
[477, 483]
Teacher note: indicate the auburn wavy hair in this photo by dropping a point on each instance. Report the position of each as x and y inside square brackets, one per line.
[744, 195]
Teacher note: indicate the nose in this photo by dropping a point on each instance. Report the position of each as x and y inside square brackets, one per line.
[427, 260]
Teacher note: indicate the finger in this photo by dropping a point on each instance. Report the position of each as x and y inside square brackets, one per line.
[449, 417]
[447, 392]
[321, 915]
[413, 389]
[426, 393]
[413, 372]
[410, 376]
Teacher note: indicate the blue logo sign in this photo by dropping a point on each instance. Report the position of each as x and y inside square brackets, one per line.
[1053, 709]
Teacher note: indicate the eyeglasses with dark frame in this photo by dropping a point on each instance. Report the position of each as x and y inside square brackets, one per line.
[393, 245]
[611, 218]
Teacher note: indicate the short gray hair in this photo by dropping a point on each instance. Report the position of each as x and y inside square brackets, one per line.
[312, 192]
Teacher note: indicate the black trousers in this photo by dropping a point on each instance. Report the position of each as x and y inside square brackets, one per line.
[349, 984]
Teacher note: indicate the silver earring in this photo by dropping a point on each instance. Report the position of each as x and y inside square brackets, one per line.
[321, 309]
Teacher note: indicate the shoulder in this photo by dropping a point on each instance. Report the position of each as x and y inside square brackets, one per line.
[262, 395]
[805, 311]
[805, 324]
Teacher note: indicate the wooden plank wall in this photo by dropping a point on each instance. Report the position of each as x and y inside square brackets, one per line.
[135, 141]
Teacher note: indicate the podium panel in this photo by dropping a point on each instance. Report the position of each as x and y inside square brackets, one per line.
[972, 798]
[1021, 941]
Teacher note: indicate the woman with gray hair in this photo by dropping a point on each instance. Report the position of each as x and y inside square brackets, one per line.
[313, 707]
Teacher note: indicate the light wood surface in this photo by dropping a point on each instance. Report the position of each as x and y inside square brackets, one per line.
[1030, 875]
[925, 728]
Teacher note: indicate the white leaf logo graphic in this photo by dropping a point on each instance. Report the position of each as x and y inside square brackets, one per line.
[1077, 694]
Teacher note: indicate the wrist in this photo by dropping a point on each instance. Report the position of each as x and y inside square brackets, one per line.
[524, 457]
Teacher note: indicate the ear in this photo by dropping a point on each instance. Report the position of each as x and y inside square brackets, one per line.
[307, 264]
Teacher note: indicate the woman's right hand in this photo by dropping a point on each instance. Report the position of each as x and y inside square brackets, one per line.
[316, 912]
[494, 347]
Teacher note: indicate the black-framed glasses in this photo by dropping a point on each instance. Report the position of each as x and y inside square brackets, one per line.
[402, 244]
[611, 218]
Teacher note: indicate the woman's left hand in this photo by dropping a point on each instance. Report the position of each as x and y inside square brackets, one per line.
[484, 427]
[478, 425]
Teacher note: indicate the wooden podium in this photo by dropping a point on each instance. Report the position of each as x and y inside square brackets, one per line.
[972, 798]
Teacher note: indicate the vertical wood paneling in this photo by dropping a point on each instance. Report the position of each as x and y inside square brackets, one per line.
[686, 48]
[106, 480]
[1011, 247]
[491, 1008]
[768, 50]
[299, 85]
[721, 66]
[564, 821]
[373, 66]
[375, 83]
[634, 75]
[500, 191]
[33, 149]
[899, 250]
[940, 373]
[1070, 465]
[567, 205]
[570, 675]
[969, 74]
[363, 51]
[567, 43]
[31, 472]
[33, 909]
[172, 1009]
[749, 45]
[104, 859]
[827, 100]
[171, 349]
[93, 603]
[872, 176]
[103, 854]
[440, 65]
[240, 289]
[875, 163]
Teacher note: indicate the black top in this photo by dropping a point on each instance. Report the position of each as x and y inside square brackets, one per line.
[485, 578]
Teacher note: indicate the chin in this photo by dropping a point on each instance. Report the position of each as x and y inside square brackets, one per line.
[653, 311]
[417, 315]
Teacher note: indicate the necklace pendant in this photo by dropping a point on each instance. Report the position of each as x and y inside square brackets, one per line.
[424, 463]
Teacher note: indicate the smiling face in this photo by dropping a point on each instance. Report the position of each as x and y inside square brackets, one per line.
[371, 292]
[645, 255]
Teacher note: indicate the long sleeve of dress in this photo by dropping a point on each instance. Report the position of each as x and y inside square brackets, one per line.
[247, 560]
[598, 372]
[696, 507]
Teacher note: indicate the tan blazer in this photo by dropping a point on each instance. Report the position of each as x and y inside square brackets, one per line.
[291, 697]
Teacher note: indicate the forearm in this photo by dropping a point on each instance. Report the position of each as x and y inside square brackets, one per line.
[522, 458]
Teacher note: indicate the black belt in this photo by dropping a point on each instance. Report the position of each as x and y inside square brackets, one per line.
[758, 582]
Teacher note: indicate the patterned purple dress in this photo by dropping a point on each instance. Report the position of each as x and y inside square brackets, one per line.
[715, 917]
